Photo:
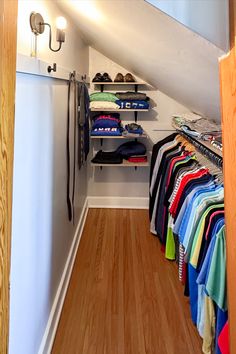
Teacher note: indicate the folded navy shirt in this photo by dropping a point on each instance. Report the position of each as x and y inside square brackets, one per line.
[106, 131]
[132, 104]
[131, 148]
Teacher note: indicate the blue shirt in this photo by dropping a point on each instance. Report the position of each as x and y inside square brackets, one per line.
[188, 200]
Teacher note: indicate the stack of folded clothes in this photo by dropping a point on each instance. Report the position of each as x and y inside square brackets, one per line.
[132, 151]
[138, 158]
[196, 126]
[104, 157]
[107, 124]
[132, 100]
[103, 100]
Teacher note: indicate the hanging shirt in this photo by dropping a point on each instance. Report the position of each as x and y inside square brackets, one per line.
[161, 209]
[188, 189]
[209, 327]
[221, 320]
[196, 186]
[173, 152]
[208, 231]
[196, 207]
[197, 239]
[216, 281]
[201, 310]
[158, 157]
[213, 271]
[184, 181]
[223, 340]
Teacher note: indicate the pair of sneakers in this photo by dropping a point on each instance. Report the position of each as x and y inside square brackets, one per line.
[99, 77]
[127, 78]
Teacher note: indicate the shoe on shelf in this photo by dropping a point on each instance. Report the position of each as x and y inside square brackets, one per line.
[119, 78]
[129, 78]
[106, 78]
[97, 78]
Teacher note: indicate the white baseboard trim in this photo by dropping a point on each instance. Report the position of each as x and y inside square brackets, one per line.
[118, 202]
[50, 331]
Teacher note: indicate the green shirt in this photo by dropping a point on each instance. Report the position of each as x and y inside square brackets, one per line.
[216, 281]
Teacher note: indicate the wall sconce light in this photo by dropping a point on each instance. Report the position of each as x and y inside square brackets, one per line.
[37, 25]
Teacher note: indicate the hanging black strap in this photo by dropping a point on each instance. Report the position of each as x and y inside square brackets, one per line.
[80, 129]
[69, 203]
[75, 111]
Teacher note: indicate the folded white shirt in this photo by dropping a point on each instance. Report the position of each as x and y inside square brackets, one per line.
[104, 105]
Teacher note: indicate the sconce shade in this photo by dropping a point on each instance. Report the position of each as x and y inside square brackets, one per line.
[60, 36]
[36, 23]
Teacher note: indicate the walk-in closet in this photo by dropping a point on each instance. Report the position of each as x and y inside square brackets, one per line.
[117, 177]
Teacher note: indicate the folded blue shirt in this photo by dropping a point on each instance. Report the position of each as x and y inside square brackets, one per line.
[106, 123]
[106, 131]
[132, 104]
[134, 131]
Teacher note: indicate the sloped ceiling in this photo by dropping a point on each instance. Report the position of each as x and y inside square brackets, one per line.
[153, 46]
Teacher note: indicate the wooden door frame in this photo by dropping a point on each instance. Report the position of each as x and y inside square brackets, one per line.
[228, 108]
[8, 43]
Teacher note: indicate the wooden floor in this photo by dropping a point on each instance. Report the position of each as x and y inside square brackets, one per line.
[124, 297]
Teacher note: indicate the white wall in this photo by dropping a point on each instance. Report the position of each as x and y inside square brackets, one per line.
[74, 52]
[209, 18]
[41, 233]
[126, 182]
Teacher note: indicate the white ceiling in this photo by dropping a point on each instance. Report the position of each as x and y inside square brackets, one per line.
[153, 46]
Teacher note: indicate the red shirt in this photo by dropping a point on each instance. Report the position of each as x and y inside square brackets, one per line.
[223, 339]
[190, 176]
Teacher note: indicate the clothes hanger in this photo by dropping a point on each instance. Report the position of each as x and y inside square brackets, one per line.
[203, 161]
[213, 169]
[188, 146]
[179, 138]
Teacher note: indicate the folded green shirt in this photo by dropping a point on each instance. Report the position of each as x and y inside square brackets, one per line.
[103, 96]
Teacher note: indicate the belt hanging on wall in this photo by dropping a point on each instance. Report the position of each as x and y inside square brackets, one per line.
[71, 191]
[79, 92]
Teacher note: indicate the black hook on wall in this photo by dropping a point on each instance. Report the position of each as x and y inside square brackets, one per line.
[52, 68]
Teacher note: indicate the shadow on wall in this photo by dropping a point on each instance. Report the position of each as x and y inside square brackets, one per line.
[120, 175]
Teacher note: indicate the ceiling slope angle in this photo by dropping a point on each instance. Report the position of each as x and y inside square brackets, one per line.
[155, 47]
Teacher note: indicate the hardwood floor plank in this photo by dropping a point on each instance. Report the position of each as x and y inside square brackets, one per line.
[124, 297]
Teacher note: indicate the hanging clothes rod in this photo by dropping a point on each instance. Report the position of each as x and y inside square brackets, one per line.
[33, 66]
[211, 155]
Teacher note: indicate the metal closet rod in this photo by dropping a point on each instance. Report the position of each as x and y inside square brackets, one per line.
[204, 150]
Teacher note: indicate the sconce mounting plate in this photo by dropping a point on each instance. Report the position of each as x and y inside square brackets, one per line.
[36, 23]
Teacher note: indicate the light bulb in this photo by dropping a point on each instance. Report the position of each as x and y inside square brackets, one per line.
[61, 23]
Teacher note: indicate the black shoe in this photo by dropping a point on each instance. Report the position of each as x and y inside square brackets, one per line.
[106, 78]
[98, 78]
